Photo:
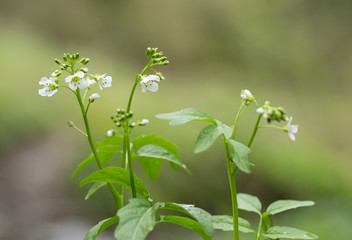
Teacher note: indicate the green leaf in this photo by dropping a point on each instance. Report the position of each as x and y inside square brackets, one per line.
[156, 152]
[116, 175]
[284, 205]
[156, 140]
[239, 154]
[137, 219]
[185, 222]
[96, 186]
[110, 141]
[202, 216]
[106, 148]
[206, 138]
[288, 232]
[82, 164]
[249, 203]
[150, 166]
[186, 115]
[93, 233]
[225, 223]
[224, 129]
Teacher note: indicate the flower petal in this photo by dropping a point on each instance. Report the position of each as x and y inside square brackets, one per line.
[292, 136]
[153, 87]
[52, 92]
[80, 74]
[82, 84]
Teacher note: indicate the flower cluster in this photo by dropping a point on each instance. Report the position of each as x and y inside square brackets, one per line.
[78, 77]
[247, 96]
[157, 58]
[121, 117]
[272, 113]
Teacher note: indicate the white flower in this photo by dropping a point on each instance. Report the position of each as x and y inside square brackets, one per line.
[144, 121]
[110, 133]
[104, 81]
[76, 80]
[150, 83]
[90, 82]
[247, 95]
[50, 87]
[260, 110]
[94, 96]
[291, 129]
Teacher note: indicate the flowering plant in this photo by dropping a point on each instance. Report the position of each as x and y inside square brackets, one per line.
[138, 217]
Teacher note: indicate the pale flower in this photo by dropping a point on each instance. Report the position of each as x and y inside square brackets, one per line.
[90, 82]
[291, 129]
[247, 95]
[94, 96]
[104, 81]
[110, 133]
[76, 80]
[260, 110]
[150, 83]
[144, 121]
[50, 87]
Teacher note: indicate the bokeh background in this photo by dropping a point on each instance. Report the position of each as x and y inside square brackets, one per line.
[297, 54]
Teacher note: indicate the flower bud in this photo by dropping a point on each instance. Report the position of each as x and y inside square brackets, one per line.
[110, 133]
[148, 51]
[132, 124]
[118, 124]
[75, 56]
[85, 70]
[164, 63]
[70, 124]
[66, 57]
[143, 122]
[84, 61]
[59, 62]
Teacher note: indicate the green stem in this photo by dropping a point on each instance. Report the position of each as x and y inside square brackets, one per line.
[259, 227]
[127, 141]
[237, 116]
[120, 188]
[254, 131]
[129, 160]
[92, 146]
[80, 131]
[233, 191]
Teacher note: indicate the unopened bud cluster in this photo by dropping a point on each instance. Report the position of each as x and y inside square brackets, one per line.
[272, 113]
[121, 118]
[71, 59]
[157, 58]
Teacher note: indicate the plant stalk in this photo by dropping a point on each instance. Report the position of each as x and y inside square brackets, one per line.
[232, 183]
[95, 153]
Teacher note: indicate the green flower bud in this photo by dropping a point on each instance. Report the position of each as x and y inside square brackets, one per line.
[148, 51]
[164, 63]
[70, 124]
[75, 56]
[66, 57]
[58, 61]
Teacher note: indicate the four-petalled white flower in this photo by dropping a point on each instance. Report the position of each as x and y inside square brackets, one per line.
[104, 81]
[50, 87]
[291, 129]
[76, 80]
[150, 83]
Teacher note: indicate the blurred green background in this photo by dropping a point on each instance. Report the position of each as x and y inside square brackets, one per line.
[297, 54]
